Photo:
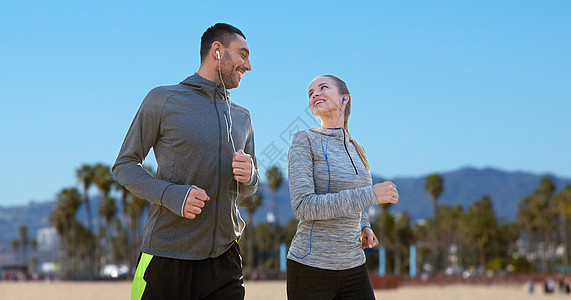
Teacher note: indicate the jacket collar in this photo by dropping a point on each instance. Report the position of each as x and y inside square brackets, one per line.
[206, 87]
[335, 133]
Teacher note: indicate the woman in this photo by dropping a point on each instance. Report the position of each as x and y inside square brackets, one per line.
[330, 185]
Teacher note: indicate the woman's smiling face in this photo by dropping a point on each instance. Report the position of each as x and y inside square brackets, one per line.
[324, 97]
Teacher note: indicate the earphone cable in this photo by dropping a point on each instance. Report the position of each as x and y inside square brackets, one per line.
[228, 123]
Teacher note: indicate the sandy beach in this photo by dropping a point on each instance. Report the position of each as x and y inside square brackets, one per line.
[267, 290]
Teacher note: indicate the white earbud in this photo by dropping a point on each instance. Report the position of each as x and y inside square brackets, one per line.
[218, 53]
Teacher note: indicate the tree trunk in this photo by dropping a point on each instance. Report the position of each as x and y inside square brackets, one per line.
[397, 262]
[260, 253]
[565, 242]
[87, 208]
[436, 237]
[277, 231]
[483, 259]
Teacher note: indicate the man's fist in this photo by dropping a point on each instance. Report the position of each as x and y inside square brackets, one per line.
[242, 166]
[195, 202]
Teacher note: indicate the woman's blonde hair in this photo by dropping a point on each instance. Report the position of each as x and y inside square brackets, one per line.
[342, 87]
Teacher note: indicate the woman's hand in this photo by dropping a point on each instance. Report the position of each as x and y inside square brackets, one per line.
[386, 192]
[368, 238]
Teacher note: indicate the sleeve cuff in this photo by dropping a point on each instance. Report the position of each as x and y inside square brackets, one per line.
[365, 223]
[371, 198]
[172, 196]
[184, 201]
[253, 177]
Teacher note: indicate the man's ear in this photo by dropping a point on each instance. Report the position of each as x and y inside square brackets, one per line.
[216, 50]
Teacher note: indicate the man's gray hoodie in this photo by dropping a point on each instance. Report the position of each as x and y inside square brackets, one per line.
[187, 127]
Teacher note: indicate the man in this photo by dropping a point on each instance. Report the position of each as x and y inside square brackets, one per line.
[204, 146]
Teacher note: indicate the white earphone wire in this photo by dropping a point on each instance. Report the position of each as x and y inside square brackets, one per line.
[228, 122]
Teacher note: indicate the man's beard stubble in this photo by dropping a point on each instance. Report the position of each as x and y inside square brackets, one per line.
[229, 72]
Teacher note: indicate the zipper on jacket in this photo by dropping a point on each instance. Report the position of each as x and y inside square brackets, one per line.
[215, 227]
[344, 144]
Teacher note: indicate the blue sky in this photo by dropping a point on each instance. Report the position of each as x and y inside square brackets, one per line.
[435, 85]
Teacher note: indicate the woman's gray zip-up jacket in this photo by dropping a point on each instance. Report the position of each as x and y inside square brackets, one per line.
[186, 125]
[330, 204]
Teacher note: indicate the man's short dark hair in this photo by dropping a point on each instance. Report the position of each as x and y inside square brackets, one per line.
[221, 32]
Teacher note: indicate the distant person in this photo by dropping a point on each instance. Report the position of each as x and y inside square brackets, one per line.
[204, 147]
[549, 285]
[530, 286]
[330, 185]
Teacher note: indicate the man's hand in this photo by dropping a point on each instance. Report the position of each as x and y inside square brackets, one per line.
[368, 238]
[242, 166]
[195, 202]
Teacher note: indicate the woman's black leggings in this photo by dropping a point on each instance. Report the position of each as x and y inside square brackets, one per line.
[305, 282]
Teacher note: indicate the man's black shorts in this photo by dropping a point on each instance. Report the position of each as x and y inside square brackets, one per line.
[167, 278]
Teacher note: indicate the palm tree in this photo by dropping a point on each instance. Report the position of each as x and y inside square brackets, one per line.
[548, 226]
[422, 231]
[63, 219]
[562, 207]
[434, 186]
[528, 218]
[108, 211]
[275, 179]
[103, 179]
[536, 216]
[86, 174]
[251, 203]
[120, 243]
[82, 248]
[264, 233]
[24, 241]
[450, 221]
[482, 228]
[16, 248]
[403, 239]
[34, 260]
[390, 239]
